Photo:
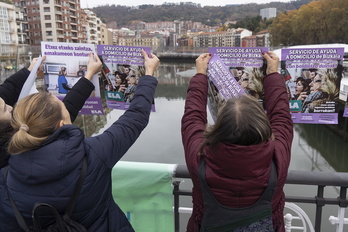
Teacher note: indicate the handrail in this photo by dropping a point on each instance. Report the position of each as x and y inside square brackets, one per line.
[295, 177]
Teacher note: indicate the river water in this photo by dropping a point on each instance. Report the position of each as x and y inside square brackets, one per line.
[315, 147]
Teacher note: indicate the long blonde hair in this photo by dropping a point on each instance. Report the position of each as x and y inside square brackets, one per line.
[34, 119]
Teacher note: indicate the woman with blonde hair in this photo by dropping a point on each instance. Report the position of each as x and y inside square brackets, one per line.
[327, 90]
[11, 89]
[47, 153]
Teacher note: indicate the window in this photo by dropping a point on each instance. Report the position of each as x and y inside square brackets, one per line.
[48, 25]
[47, 17]
[46, 9]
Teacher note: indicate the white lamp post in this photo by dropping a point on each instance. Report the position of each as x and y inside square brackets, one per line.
[30, 55]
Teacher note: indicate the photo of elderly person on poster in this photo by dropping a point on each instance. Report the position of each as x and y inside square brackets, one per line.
[323, 88]
[251, 82]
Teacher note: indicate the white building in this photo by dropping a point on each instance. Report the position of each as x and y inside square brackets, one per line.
[9, 14]
[93, 27]
[268, 13]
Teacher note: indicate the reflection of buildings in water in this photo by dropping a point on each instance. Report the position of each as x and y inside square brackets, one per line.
[176, 71]
[173, 79]
[91, 124]
[326, 150]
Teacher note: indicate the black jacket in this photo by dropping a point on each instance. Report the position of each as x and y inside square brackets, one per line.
[49, 173]
[10, 90]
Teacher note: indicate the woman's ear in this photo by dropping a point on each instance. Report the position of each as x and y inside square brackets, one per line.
[61, 123]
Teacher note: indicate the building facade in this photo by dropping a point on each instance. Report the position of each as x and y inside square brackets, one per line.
[13, 36]
[140, 41]
[54, 21]
[268, 13]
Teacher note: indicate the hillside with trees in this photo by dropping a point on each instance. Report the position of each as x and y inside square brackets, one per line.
[209, 15]
[7, 1]
[318, 22]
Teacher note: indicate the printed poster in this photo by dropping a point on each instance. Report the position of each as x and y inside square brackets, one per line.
[233, 71]
[344, 93]
[64, 65]
[313, 82]
[345, 112]
[124, 65]
[29, 86]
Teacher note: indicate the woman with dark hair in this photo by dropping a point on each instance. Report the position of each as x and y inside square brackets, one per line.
[302, 88]
[238, 149]
[121, 81]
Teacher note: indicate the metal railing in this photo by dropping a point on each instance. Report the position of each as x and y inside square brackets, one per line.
[308, 178]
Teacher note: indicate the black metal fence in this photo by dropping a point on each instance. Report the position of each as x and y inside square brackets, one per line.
[308, 178]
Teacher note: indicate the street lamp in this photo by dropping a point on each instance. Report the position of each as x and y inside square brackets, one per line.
[30, 54]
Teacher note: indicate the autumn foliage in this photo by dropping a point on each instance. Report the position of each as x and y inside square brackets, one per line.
[318, 22]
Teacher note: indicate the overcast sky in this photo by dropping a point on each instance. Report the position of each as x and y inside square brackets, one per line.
[94, 3]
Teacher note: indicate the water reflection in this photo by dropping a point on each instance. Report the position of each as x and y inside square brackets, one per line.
[161, 141]
[326, 150]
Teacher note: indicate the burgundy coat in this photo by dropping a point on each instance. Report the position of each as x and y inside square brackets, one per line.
[238, 174]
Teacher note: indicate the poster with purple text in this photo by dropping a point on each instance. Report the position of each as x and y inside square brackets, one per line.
[124, 65]
[233, 71]
[313, 83]
[64, 65]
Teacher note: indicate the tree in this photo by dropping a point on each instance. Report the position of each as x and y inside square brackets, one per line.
[281, 29]
[318, 22]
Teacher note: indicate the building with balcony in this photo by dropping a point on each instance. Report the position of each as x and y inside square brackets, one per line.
[140, 40]
[53, 21]
[262, 39]
[106, 35]
[229, 38]
[249, 41]
[93, 27]
[8, 34]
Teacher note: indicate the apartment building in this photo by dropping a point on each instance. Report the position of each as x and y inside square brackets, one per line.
[262, 39]
[140, 40]
[93, 27]
[13, 39]
[210, 39]
[230, 38]
[106, 35]
[54, 21]
[249, 41]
